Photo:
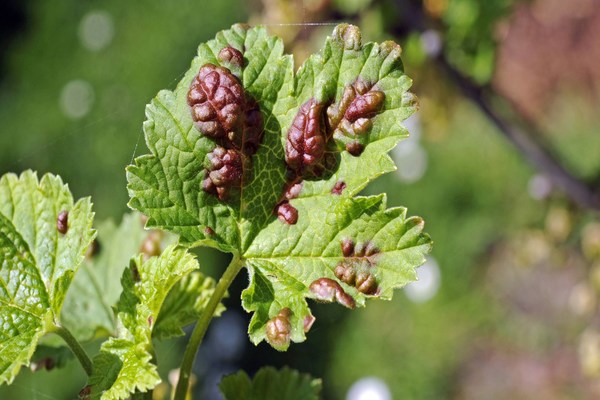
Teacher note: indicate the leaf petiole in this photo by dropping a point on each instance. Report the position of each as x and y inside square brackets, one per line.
[75, 347]
[185, 371]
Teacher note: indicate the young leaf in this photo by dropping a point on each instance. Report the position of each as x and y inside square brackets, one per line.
[88, 309]
[124, 364]
[286, 208]
[43, 238]
[184, 304]
[270, 384]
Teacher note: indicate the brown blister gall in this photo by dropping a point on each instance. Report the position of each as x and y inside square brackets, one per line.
[306, 140]
[232, 56]
[351, 118]
[328, 290]
[365, 106]
[150, 246]
[225, 171]
[62, 222]
[279, 329]
[293, 190]
[338, 188]
[209, 231]
[347, 247]
[366, 283]
[287, 213]
[216, 98]
[309, 320]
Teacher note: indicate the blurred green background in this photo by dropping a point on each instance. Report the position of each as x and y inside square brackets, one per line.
[507, 304]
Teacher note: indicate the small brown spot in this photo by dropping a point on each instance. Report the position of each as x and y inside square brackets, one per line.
[309, 320]
[84, 394]
[287, 213]
[150, 320]
[338, 188]
[209, 231]
[62, 222]
[93, 249]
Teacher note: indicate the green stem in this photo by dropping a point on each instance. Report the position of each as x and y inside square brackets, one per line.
[198, 334]
[76, 348]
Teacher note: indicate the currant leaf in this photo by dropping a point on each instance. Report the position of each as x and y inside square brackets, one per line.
[88, 309]
[271, 384]
[43, 238]
[124, 365]
[287, 206]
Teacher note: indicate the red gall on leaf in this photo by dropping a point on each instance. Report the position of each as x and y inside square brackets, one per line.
[306, 140]
[279, 329]
[216, 98]
[62, 222]
[350, 119]
[328, 290]
[230, 55]
[287, 213]
[225, 171]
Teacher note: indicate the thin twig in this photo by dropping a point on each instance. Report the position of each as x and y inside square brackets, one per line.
[538, 154]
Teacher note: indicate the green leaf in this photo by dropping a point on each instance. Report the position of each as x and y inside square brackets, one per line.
[270, 384]
[184, 305]
[286, 260]
[88, 309]
[124, 364]
[37, 262]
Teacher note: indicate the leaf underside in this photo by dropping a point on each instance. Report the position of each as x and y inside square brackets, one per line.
[283, 259]
[37, 260]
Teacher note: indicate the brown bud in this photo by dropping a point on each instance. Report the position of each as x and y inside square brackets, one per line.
[305, 145]
[216, 98]
[279, 329]
[287, 213]
[62, 222]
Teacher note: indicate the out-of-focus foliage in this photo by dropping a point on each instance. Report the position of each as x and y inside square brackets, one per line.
[72, 108]
[485, 206]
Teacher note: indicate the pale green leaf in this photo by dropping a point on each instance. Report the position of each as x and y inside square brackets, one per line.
[124, 364]
[271, 384]
[284, 260]
[184, 305]
[88, 309]
[37, 262]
